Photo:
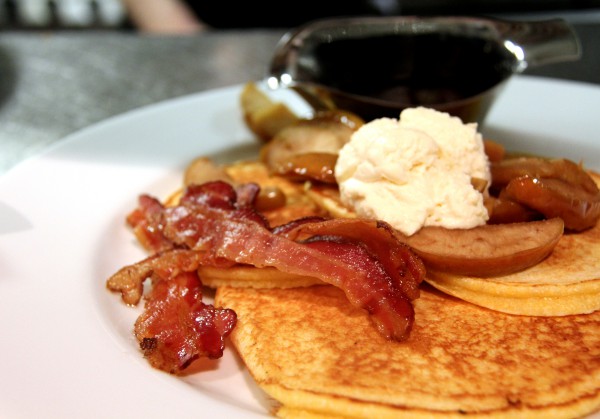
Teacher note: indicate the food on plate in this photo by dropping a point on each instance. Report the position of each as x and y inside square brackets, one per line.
[338, 311]
[554, 188]
[498, 254]
[415, 171]
[566, 282]
[264, 116]
[487, 250]
[216, 225]
[318, 357]
[497, 265]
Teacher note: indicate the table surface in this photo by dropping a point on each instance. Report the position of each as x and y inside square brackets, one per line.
[53, 84]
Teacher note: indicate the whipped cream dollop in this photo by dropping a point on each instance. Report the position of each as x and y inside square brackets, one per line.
[415, 171]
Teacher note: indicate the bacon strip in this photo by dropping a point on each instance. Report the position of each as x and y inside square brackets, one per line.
[177, 327]
[215, 226]
[146, 221]
[166, 265]
[405, 268]
[397, 270]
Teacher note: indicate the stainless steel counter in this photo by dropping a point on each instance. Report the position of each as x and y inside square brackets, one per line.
[53, 84]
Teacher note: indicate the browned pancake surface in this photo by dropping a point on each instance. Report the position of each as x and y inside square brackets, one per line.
[311, 350]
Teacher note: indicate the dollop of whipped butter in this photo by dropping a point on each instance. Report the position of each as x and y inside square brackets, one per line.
[415, 171]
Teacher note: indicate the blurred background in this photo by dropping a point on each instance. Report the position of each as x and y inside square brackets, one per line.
[62, 14]
[177, 16]
[66, 64]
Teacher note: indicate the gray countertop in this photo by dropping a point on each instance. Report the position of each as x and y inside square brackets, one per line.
[53, 84]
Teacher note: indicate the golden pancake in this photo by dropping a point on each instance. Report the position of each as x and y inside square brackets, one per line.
[318, 356]
[249, 276]
[567, 282]
[328, 198]
[295, 205]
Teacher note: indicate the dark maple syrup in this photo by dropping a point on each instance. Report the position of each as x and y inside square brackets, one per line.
[422, 69]
[458, 74]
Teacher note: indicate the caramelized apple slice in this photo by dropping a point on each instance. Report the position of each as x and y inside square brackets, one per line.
[203, 169]
[566, 170]
[309, 166]
[262, 115]
[578, 208]
[326, 132]
[495, 151]
[488, 250]
[504, 211]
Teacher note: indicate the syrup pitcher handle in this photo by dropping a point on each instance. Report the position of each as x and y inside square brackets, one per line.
[537, 43]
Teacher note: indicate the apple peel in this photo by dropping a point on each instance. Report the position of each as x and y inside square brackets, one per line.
[487, 250]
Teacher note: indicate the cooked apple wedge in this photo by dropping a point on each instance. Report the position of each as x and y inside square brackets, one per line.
[488, 250]
[578, 208]
[262, 115]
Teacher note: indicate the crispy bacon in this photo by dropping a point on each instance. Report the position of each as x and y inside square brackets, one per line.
[215, 226]
[177, 327]
[400, 262]
[379, 256]
[166, 265]
[146, 221]
[382, 277]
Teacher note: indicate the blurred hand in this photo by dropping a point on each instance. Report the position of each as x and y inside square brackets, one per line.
[163, 17]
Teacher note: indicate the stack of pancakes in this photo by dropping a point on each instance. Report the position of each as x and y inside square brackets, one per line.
[567, 282]
[318, 356]
[523, 345]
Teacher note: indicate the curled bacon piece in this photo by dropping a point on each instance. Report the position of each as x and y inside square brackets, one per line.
[216, 226]
[177, 327]
[146, 221]
[382, 276]
[129, 280]
[385, 273]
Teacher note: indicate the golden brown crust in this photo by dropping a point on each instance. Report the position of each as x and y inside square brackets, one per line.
[316, 354]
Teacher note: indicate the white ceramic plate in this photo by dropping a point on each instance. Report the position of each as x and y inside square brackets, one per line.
[66, 347]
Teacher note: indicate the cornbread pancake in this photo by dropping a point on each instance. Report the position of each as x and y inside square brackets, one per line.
[552, 288]
[314, 353]
[328, 198]
[296, 205]
[249, 276]
[567, 282]
[296, 202]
